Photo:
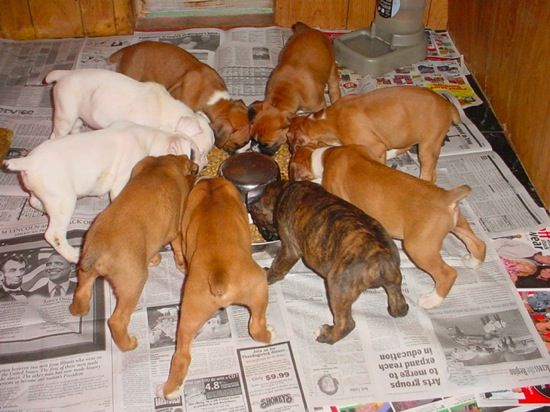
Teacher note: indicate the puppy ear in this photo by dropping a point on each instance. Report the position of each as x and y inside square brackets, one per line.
[222, 130]
[254, 108]
[180, 145]
[189, 125]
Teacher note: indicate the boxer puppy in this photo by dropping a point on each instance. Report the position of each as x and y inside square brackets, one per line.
[128, 235]
[338, 241]
[94, 163]
[220, 270]
[413, 210]
[389, 118]
[100, 97]
[194, 83]
[306, 64]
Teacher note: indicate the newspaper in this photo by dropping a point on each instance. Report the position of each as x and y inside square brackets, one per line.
[481, 339]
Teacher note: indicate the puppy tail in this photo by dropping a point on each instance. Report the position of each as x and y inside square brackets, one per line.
[17, 165]
[55, 76]
[457, 194]
[217, 284]
[116, 56]
[299, 27]
[454, 107]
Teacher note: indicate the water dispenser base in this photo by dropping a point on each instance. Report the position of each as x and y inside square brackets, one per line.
[365, 53]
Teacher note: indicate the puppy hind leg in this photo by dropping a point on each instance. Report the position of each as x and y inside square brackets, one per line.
[36, 203]
[391, 279]
[340, 298]
[257, 300]
[64, 122]
[397, 305]
[127, 297]
[83, 293]
[427, 156]
[444, 276]
[193, 314]
[178, 253]
[60, 213]
[475, 245]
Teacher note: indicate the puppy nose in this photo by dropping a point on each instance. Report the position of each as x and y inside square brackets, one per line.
[269, 236]
[268, 150]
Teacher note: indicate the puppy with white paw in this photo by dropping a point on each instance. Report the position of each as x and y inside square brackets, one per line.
[413, 210]
[59, 171]
[100, 97]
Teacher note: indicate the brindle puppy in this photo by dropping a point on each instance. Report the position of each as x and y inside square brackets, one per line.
[335, 239]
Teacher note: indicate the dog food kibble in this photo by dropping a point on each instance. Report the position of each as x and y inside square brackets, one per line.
[217, 156]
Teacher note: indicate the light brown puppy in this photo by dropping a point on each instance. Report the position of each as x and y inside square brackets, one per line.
[389, 118]
[191, 81]
[416, 211]
[128, 235]
[220, 270]
[306, 64]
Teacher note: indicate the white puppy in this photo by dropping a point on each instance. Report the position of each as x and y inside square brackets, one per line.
[94, 163]
[100, 97]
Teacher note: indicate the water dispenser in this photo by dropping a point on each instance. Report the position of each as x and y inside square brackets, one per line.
[395, 38]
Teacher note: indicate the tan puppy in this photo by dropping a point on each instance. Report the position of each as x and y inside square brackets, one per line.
[220, 270]
[191, 81]
[389, 118]
[416, 211]
[306, 64]
[128, 235]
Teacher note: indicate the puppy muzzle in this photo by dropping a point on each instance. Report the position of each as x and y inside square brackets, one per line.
[269, 150]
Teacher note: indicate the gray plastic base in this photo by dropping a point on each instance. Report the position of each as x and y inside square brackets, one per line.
[364, 53]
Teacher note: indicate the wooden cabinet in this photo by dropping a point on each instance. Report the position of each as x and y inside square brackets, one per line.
[34, 19]
[346, 14]
[506, 46]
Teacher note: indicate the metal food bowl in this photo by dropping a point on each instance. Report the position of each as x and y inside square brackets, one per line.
[251, 172]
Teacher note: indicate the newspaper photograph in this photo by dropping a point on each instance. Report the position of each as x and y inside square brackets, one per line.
[484, 338]
[526, 257]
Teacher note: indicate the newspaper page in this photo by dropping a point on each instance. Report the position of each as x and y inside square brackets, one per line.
[538, 306]
[480, 339]
[229, 371]
[42, 347]
[501, 203]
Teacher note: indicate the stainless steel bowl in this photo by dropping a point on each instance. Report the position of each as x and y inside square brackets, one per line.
[265, 250]
[250, 172]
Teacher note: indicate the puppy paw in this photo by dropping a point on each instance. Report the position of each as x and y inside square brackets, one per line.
[155, 260]
[470, 262]
[176, 393]
[130, 345]
[325, 335]
[78, 310]
[430, 300]
[170, 396]
[272, 336]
